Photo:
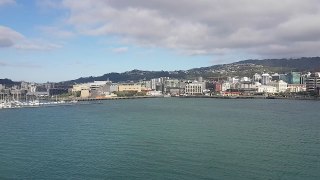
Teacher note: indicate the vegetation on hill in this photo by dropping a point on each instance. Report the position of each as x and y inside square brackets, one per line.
[241, 68]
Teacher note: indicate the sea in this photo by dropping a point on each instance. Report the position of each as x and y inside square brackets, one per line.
[163, 138]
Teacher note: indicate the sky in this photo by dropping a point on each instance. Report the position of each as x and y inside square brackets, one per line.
[58, 40]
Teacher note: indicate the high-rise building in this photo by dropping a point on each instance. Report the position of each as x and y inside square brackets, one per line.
[313, 82]
[256, 77]
[294, 78]
[266, 78]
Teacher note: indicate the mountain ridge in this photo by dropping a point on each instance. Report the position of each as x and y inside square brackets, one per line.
[240, 68]
[283, 65]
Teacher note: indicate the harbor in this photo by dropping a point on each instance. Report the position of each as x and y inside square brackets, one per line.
[34, 104]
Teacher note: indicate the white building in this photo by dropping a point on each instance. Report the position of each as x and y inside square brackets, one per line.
[194, 88]
[296, 88]
[280, 85]
[225, 86]
[80, 87]
[245, 79]
[113, 87]
[313, 81]
[266, 78]
[267, 89]
[154, 82]
[233, 80]
[256, 77]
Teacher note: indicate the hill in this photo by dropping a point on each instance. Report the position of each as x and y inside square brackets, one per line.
[241, 68]
[300, 64]
[8, 82]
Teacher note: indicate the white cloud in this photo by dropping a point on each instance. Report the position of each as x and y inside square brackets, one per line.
[120, 50]
[5, 2]
[9, 37]
[259, 27]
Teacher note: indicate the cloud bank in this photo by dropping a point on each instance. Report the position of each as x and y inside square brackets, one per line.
[260, 27]
[10, 38]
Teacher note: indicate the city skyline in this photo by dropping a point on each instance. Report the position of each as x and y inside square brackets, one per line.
[61, 40]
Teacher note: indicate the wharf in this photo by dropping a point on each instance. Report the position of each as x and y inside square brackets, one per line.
[117, 98]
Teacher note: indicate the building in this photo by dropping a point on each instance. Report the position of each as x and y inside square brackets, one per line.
[129, 87]
[80, 87]
[256, 77]
[245, 79]
[266, 78]
[113, 87]
[85, 93]
[313, 81]
[217, 87]
[230, 93]
[57, 91]
[283, 77]
[275, 77]
[225, 86]
[280, 85]
[294, 78]
[296, 88]
[233, 80]
[194, 88]
[267, 89]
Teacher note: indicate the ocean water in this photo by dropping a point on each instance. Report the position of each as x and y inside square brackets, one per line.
[166, 138]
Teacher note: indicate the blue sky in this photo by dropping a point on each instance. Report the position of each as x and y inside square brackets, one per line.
[56, 40]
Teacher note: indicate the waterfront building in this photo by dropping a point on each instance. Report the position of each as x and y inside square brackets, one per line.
[313, 81]
[230, 93]
[266, 78]
[85, 93]
[225, 86]
[175, 91]
[154, 93]
[267, 89]
[194, 88]
[80, 87]
[129, 87]
[217, 87]
[154, 82]
[296, 88]
[294, 78]
[280, 85]
[113, 87]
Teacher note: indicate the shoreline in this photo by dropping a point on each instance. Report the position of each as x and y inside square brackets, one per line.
[98, 100]
[213, 97]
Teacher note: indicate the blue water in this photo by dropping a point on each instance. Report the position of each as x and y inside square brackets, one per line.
[166, 138]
